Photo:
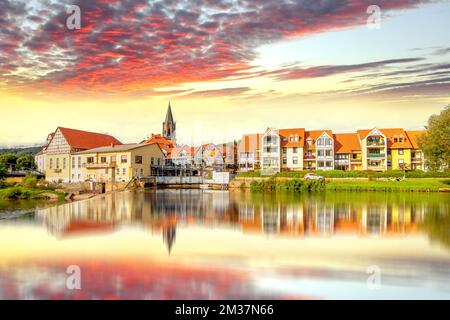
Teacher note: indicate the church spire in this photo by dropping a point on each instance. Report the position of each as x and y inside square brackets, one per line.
[169, 127]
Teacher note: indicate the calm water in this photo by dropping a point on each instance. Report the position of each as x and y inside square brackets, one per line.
[192, 244]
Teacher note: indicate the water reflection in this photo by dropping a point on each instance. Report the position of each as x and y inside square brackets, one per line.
[318, 215]
[193, 244]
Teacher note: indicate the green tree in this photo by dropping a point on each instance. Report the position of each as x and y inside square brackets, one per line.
[2, 172]
[436, 143]
[7, 160]
[25, 163]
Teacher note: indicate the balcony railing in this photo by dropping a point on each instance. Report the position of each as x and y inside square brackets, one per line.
[103, 165]
[379, 143]
[376, 155]
[309, 156]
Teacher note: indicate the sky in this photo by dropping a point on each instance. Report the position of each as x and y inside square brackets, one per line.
[228, 67]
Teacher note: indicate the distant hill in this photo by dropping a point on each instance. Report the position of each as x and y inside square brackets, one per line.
[21, 151]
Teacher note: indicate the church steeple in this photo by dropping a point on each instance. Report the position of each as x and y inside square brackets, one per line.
[169, 127]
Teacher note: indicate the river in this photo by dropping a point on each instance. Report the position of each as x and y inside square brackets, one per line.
[194, 244]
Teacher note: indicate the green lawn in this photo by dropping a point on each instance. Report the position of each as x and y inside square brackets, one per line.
[405, 185]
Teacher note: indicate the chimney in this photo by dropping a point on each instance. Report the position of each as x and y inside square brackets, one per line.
[112, 144]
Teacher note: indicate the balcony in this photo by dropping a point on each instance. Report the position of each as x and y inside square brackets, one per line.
[376, 155]
[416, 160]
[309, 156]
[103, 165]
[57, 170]
[375, 143]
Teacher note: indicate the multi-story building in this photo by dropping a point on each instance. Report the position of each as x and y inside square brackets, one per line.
[347, 151]
[249, 152]
[120, 163]
[297, 149]
[61, 161]
[417, 159]
[319, 150]
[270, 152]
[292, 142]
[182, 156]
[208, 155]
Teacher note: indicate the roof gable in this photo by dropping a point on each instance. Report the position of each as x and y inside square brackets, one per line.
[83, 140]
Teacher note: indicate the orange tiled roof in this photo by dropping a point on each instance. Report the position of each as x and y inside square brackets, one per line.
[250, 142]
[346, 142]
[79, 139]
[165, 144]
[176, 152]
[285, 134]
[390, 134]
[414, 137]
[314, 135]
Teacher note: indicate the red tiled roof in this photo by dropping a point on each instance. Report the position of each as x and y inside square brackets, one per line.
[285, 135]
[314, 135]
[346, 143]
[414, 137]
[390, 134]
[78, 139]
[176, 152]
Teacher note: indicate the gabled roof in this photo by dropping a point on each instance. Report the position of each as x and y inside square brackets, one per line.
[390, 134]
[250, 142]
[176, 152]
[285, 135]
[314, 135]
[346, 143]
[414, 136]
[78, 139]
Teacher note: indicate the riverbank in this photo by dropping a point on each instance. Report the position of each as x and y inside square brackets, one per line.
[343, 184]
[24, 193]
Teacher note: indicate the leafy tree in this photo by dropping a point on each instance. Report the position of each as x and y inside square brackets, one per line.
[2, 172]
[436, 143]
[7, 160]
[25, 163]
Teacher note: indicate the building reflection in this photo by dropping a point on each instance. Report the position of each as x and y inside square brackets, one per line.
[313, 215]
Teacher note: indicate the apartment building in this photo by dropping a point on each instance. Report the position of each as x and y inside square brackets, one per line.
[296, 149]
[292, 142]
[61, 160]
[120, 163]
[347, 151]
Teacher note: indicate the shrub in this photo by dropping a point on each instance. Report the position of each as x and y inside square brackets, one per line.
[30, 181]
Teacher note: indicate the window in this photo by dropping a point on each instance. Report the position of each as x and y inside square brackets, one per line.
[159, 161]
[57, 163]
[295, 150]
[113, 158]
[284, 160]
[142, 171]
[401, 161]
[73, 163]
[152, 160]
[138, 159]
[320, 153]
[328, 142]
[51, 163]
[295, 160]
[123, 159]
[136, 172]
[102, 159]
[73, 176]
[90, 159]
[284, 150]
[118, 171]
[320, 142]
[79, 162]
[79, 176]
[328, 153]
[64, 163]
[329, 164]
[395, 140]
[401, 152]
[124, 171]
[320, 164]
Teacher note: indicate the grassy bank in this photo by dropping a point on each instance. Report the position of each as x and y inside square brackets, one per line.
[23, 193]
[300, 185]
[408, 185]
[351, 174]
